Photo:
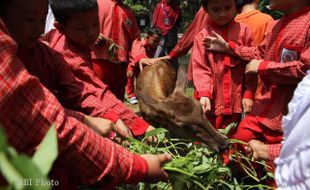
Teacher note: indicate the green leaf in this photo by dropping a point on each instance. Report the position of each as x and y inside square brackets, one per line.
[47, 152]
[10, 173]
[204, 168]
[155, 132]
[20, 172]
[229, 127]
[3, 142]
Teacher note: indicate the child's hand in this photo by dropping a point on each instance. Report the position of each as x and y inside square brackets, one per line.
[252, 67]
[216, 43]
[164, 58]
[121, 129]
[150, 139]
[101, 126]
[102, 39]
[205, 103]
[147, 61]
[247, 105]
[155, 171]
[129, 73]
[259, 150]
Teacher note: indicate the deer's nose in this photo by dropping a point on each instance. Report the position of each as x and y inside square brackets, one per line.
[224, 147]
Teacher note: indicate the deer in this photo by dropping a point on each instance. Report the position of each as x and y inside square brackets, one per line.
[163, 102]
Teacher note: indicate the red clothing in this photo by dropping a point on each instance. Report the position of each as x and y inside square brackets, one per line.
[187, 40]
[222, 121]
[112, 74]
[140, 49]
[280, 78]
[28, 109]
[166, 16]
[80, 62]
[250, 128]
[118, 23]
[274, 151]
[219, 76]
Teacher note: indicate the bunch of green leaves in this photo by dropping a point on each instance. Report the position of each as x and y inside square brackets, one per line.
[193, 165]
[23, 172]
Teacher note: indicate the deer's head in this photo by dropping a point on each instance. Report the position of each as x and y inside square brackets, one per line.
[182, 115]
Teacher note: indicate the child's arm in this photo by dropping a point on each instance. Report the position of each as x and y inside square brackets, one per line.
[263, 151]
[283, 73]
[217, 43]
[201, 71]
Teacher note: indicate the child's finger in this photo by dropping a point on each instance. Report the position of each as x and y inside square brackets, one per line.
[216, 34]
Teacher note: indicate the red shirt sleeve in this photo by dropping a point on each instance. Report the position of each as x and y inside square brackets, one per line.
[187, 40]
[137, 53]
[201, 71]
[274, 151]
[286, 73]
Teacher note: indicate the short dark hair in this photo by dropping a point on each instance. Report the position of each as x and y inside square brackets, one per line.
[3, 4]
[241, 3]
[61, 8]
[204, 4]
[154, 30]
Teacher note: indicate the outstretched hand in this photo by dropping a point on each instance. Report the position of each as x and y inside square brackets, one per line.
[146, 62]
[216, 43]
[155, 170]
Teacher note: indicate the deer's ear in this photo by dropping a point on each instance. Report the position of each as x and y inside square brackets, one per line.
[181, 82]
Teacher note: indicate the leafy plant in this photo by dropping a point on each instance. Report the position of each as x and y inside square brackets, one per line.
[193, 166]
[24, 172]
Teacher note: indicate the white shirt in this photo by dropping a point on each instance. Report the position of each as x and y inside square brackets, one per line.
[293, 163]
[49, 23]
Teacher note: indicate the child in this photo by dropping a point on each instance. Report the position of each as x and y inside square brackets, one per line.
[141, 50]
[284, 58]
[118, 24]
[283, 62]
[218, 78]
[293, 161]
[166, 17]
[28, 109]
[73, 38]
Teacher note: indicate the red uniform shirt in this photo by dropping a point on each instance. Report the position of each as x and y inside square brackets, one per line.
[80, 62]
[288, 38]
[165, 16]
[187, 40]
[140, 49]
[118, 23]
[220, 76]
[28, 109]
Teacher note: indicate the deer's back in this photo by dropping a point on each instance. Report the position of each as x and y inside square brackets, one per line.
[157, 81]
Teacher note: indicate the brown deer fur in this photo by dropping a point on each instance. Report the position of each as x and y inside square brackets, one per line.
[162, 102]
